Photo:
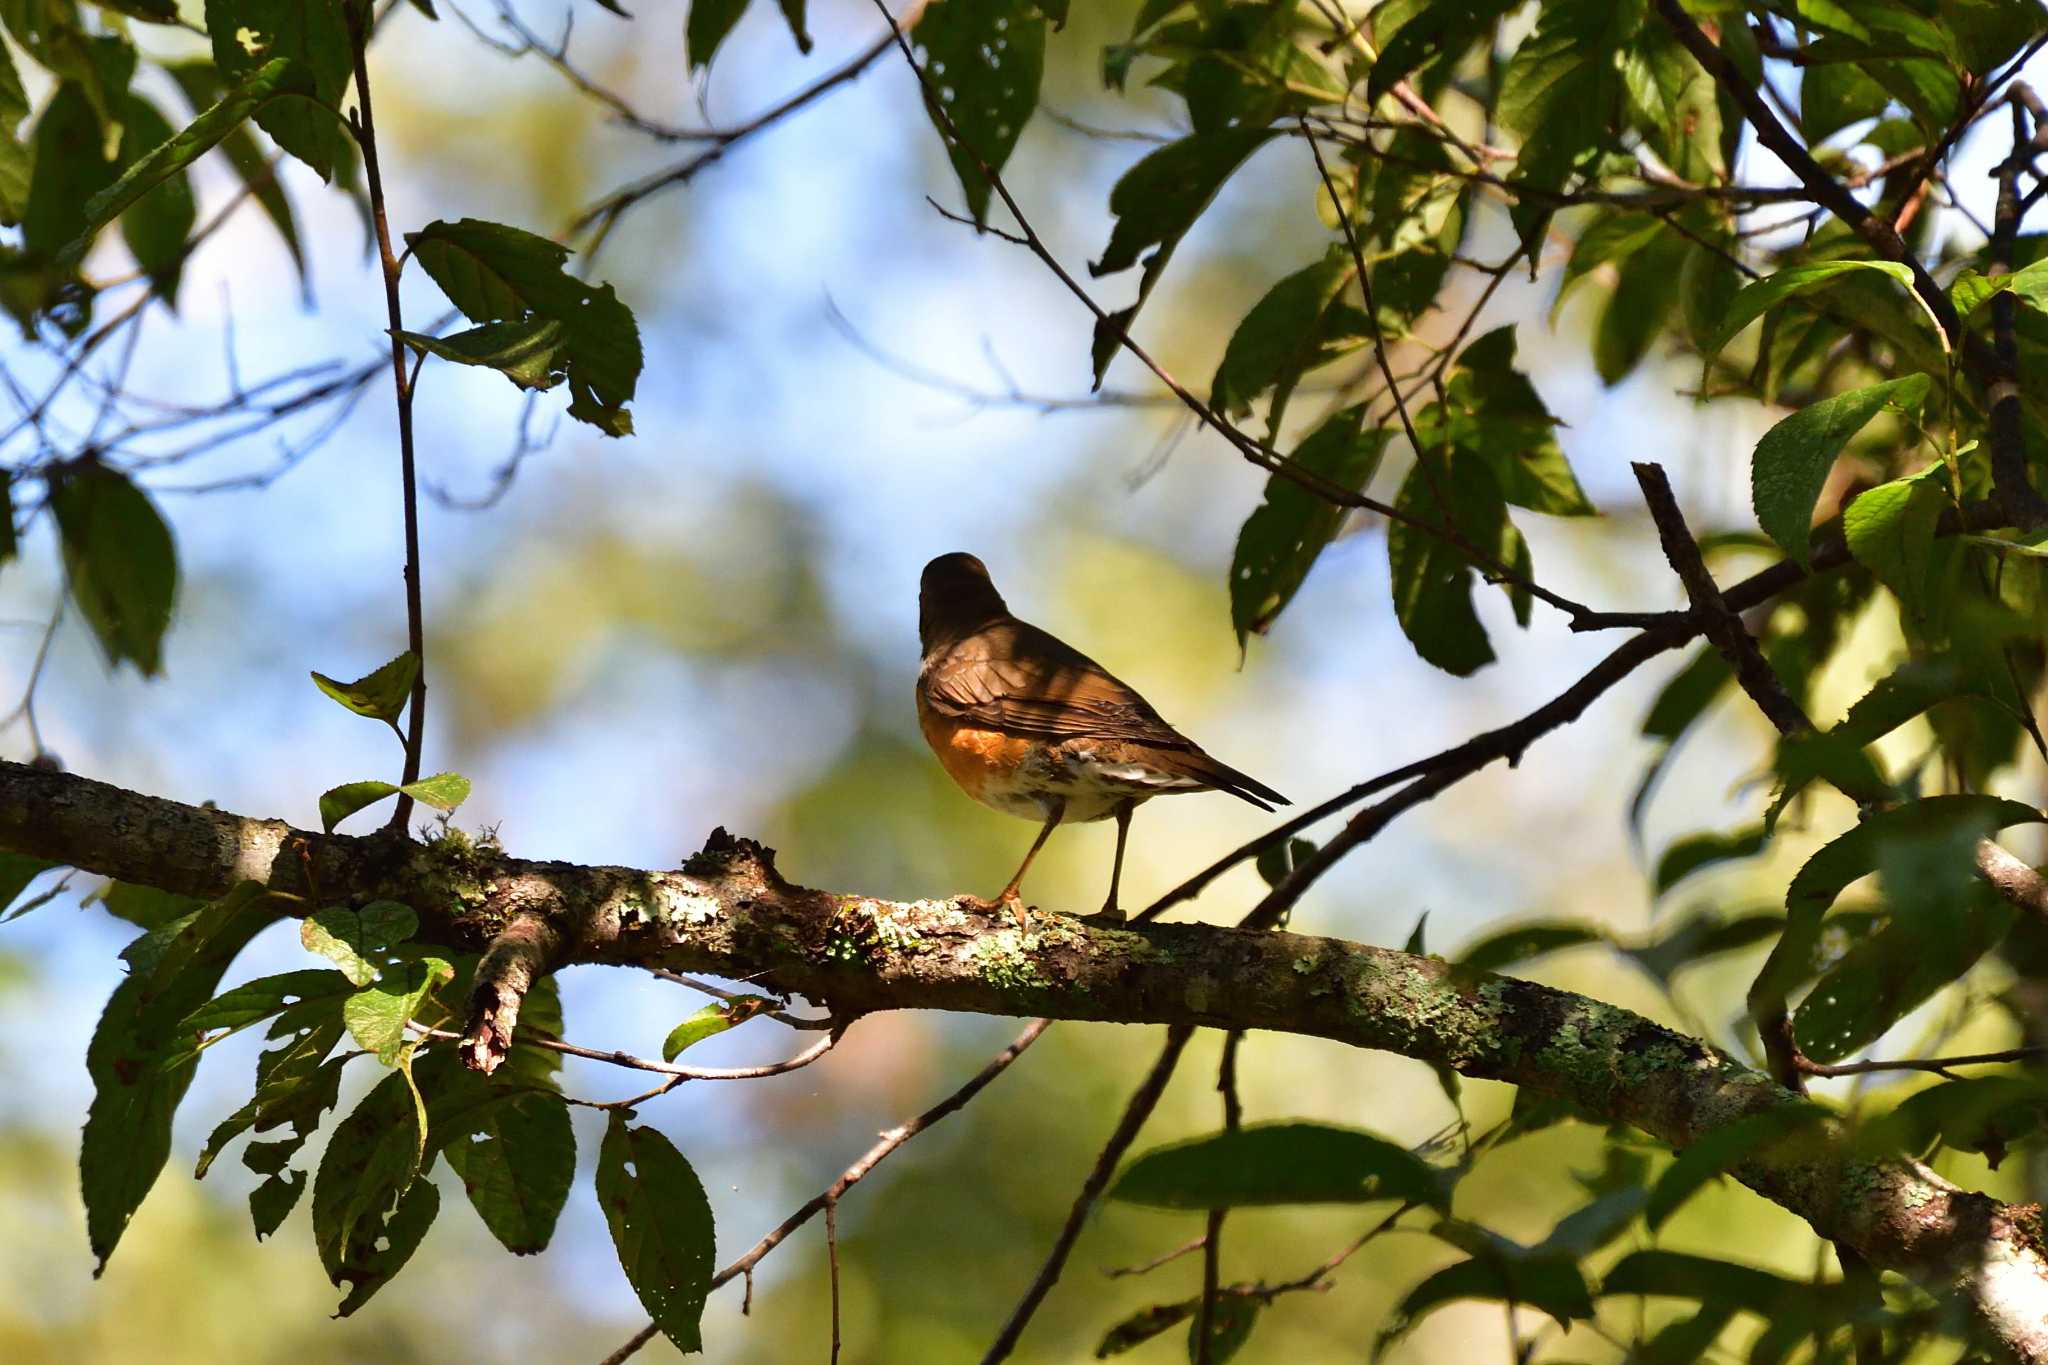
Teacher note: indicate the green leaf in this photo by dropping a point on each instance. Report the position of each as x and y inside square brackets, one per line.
[1231, 1319]
[1284, 535]
[119, 563]
[380, 695]
[1156, 202]
[1553, 1285]
[156, 224]
[1143, 1325]
[1972, 291]
[17, 870]
[1890, 531]
[1726, 1148]
[495, 273]
[338, 803]
[1495, 413]
[1834, 95]
[76, 161]
[358, 941]
[1279, 1163]
[1279, 338]
[984, 60]
[1563, 93]
[1758, 296]
[204, 89]
[516, 1161]
[1949, 825]
[171, 155]
[369, 1211]
[17, 157]
[249, 36]
[1521, 942]
[709, 23]
[661, 1225]
[1703, 1279]
[712, 1020]
[1432, 577]
[1983, 1114]
[377, 1014]
[252, 1003]
[1429, 34]
[1277, 862]
[128, 1129]
[1697, 852]
[296, 1081]
[442, 791]
[1792, 460]
[531, 354]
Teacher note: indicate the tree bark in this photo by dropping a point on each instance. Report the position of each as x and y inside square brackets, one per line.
[728, 912]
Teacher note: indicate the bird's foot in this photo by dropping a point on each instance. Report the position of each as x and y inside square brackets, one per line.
[1009, 900]
[1112, 913]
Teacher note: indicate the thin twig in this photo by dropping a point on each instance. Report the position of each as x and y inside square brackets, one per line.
[364, 127]
[832, 1259]
[852, 1175]
[1142, 1103]
[1938, 1065]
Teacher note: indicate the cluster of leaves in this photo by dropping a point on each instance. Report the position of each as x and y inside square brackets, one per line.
[383, 996]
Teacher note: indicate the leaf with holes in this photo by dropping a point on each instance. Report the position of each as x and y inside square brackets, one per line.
[516, 1162]
[984, 60]
[358, 941]
[661, 1226]
[500, 274]
[251, 35]
[378, 1013]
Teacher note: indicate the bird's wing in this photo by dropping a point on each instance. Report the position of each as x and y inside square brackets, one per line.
[1017, 679]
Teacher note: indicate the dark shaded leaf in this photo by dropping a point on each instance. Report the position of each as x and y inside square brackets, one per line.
[17, 870]
[985, 61]
[1726, 1148]
[709, 23]
[128, 1129]
[1279, 1163]
[119, 563]
[304, 119]
[1280, 337]
[1432, 577]
[495, 273]
[1143, 1325]
[1696, 852]
[17, 158]
[1284, 535]
[1521, 942]
[252, 1003]
[1442, 28]
[661, 1225]
[1231, 1319]
[1702, 935]
[531, 354]
[203, 89]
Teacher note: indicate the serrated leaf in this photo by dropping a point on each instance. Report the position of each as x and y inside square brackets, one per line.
[252, 1003]
[1284, 535]
[516, 1162]
[167, 157]
[1757, 297]
[1792, 460]
[380, 695]
[531, 354]
[442, 791]
[358, 941]
[1890, 531]
[377, 1014]
[338, 803]
[1279, 1163]
[128, 1129]
[119, 562]
[251, 35]
[203, 89]
[1279, 338]
[501, 274]
[661, 1226]
[984, 60]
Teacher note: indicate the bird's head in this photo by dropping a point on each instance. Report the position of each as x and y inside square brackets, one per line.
[955, 599]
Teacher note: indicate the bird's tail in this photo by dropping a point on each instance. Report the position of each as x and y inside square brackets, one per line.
[1225, 778]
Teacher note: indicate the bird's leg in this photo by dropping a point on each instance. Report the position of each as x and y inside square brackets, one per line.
[1008, 896]
[1110, 909]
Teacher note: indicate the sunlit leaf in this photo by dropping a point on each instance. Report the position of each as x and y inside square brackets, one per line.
[304, 118]
[380, 695]
[1792, 460]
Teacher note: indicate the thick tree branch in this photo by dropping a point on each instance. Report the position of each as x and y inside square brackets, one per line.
[730, 913]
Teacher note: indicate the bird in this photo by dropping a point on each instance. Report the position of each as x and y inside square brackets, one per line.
[1030, 726]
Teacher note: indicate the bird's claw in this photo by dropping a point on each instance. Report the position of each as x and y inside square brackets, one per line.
[1112, 914]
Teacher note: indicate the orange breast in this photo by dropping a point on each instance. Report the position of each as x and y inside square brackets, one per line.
[984, 762]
